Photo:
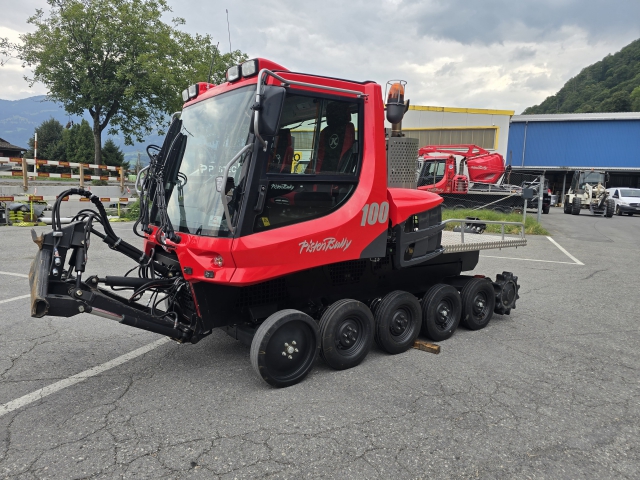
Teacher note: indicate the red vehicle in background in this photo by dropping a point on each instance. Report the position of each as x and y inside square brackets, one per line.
[296, 262]
[468, 176]
[448, 174]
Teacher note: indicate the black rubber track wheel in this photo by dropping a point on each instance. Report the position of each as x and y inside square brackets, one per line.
[478, 303]
[567, 207]
[610, 207]
[575, 206]
[285, 347]
[346, 332]
[398, 319]
[441, 310]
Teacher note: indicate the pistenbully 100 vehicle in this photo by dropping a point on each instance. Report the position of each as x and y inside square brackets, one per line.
[296, 262]
[588, 190]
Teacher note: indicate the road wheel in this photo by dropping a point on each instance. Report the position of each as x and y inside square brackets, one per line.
[567, 207]
[346, 332]
[575, 206]
[441, 310]
[545, 209]
[478, 302]
[618, 211]
[610, 206]
[398, 318]
[285, 347]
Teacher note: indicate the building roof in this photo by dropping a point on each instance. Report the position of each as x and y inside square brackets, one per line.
[573, 117]
[481, 111]
[4, 145]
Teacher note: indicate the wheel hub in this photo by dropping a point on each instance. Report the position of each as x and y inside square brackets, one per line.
[290, 349]
[443, 315]
[479, 304]
[399, 323]
[347, 335]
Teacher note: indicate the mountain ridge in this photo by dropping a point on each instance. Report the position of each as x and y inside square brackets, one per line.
[609, 85]
[19, 119]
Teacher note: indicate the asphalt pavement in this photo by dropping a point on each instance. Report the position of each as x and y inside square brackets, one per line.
[551, 391]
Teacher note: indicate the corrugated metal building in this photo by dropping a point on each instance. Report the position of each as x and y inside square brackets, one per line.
[450, 126]
[559, 144]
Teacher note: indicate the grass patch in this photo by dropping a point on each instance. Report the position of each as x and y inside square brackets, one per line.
[133, 212]
[531, 227]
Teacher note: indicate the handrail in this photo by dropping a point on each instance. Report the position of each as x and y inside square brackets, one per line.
[484, 222]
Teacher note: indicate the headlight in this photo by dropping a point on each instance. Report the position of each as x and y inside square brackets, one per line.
[623, 203]
[233, 73]
[249, 68]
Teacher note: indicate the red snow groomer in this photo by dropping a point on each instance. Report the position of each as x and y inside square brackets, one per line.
[446, 174]
[278, 210]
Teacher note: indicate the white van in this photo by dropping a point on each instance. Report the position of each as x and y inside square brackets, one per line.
[627, 200]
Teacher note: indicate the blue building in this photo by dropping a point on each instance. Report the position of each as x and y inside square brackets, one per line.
[558, 144]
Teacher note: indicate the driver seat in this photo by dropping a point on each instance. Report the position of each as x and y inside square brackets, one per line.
[336, 139]
[281, 157]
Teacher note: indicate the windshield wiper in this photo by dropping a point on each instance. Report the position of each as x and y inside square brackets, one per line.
[225, 200]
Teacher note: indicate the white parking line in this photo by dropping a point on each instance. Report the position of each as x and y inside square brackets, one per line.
[15, 298]
[77, 378]
[531, 260]
[578, 262]
[15, 274]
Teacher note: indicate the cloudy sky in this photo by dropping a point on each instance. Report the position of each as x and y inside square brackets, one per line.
[502, 54]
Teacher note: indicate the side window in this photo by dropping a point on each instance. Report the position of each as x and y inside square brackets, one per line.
[317, 137]
[313, 164]
[574, 182]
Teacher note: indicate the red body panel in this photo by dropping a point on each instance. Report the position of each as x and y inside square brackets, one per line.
[404, 202]
[486, 168]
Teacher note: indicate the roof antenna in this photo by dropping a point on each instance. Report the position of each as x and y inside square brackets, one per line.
[213, 59]
[228, 29]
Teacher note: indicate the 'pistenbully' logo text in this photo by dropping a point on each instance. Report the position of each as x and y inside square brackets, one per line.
[324, 245]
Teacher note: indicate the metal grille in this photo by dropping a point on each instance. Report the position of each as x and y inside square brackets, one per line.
[347, 273]
[402, 162]
[263, 293]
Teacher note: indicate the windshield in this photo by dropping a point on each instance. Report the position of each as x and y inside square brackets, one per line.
[630, 192]
[213, 132]
[593, 178]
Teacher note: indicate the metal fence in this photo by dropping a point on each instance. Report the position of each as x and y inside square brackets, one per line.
[30, 169]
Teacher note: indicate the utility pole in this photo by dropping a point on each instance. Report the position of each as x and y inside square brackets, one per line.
[540, 196]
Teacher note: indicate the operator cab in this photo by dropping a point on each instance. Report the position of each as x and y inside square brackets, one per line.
[581, 179]
[309, 168]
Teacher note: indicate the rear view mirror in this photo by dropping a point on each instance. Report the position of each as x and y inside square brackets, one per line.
[270, 110]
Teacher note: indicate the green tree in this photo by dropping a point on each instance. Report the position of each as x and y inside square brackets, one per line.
[635, 99]
[117, 60]
[50, 143]
[79, 143]
[618, 102]
[112, 155]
